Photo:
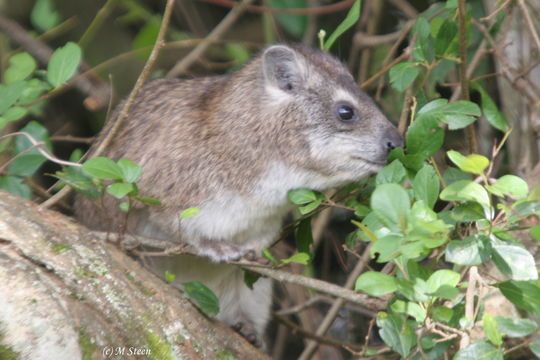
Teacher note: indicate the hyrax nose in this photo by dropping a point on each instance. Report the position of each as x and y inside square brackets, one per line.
[392, 139]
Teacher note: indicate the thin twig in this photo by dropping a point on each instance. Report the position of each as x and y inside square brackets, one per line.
[529, 22]
[184, 64]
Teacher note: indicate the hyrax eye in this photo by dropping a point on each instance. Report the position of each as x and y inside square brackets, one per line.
[346, 113]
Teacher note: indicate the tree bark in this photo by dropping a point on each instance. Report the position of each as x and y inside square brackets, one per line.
[65, 293]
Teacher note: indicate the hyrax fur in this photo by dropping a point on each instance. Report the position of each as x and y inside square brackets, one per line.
[233, 146]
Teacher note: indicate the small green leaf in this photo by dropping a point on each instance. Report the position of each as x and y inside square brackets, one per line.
[375, 283]
[79, 181]
[535, 232]
[169, 277]
[9, 94]
[304, 236]
[21, 66]
[43, 16]
[14, 185]
[490, 110]
[396, 332]
[424, 137]
[510, 185]
[250, 278]
[299, 258]
[516, 327]
[103, 168]
[473, 250]
[480, 350]
[148, 200]
[302, 196]
[466, 190]
[409, 308]
[306, 209]
[515, 262]
[14, 113]
[426, 186]
[392, 173]
[391, 204]
[535, 347]
[442, 314]
[30, 162]
[119, 190]
[189, 212]
[63, 64]
[130, 171]
[352, 17]
[524, 294]
[268, 255]
[474, 163]
[442, 277]
[421, 27]
[403, 75]
[491, 330]
[294, 24]
[202, 296]
[447, 32]
[124, 206]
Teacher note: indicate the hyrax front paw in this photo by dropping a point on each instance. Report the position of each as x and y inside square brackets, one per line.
[248, 332]
[222, 251]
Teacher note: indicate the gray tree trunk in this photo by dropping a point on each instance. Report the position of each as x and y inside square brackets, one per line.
[66, 293]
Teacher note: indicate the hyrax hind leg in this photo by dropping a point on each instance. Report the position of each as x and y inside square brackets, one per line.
[245, 310]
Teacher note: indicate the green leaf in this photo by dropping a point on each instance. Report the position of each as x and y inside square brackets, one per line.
[9, 94]
[524, 294]
[515, 262]
[409, 308]
[421, 27]
[299, 258]
[292, 23]
[535, 232]
[29, 163]
[124, 206]
[21, 66]
[130, 171]
[79, 181]
[43, 16]
[473, 250]
[202, 296]
[480, 350]
[466, 190]
[388, 247]
[352, 17]
[424, 137]
[510, 185]
[238, 52]
[474, 163]
[457, 114]
[447, 32]
[535, 347]
[103, 168]
[250, 278]
[442, 277]
[442, 314]
[14, 113]
[147, 36]
[516, 327]
[414, 290]
[403, 75]
[426, 186]
[391, 204]
[302, 196]
[33, 89]
[119, 190]
[375, 283]
[268, 255]
[304, 236]
[306, 209]
[392, 173]
[490, 110]
[396, 333]
[148, 200]
[189, 212]
[15, 186]
[491, 330]
[63, 64]
[169, 277]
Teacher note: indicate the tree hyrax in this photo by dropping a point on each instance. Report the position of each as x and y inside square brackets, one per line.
[233, 146]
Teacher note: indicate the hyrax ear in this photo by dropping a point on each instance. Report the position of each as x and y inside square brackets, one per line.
[282, 68]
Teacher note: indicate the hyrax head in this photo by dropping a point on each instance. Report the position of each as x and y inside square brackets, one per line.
[335, 129]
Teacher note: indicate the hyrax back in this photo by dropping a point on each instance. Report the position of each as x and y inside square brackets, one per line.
[233, 146]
